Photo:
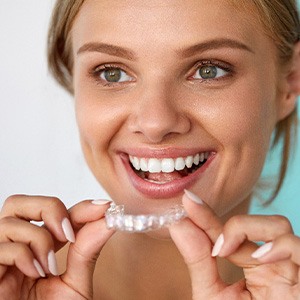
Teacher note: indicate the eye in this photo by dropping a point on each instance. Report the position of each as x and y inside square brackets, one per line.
[210, 71]
[111, 74]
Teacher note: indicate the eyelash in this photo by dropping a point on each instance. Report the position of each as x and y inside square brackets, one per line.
[227, 68]
[97, 71]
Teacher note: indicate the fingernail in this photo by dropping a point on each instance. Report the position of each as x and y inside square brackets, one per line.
[262, 250]
[68, 230]
[39, 268]
[193, 197]
[101, 202]
[52, 263]
[218, 245]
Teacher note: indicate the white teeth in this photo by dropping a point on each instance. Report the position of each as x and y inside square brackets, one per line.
[154, 165]
[136, 163]
[167, 165]
[189, 161]
[197, 159]
[144, 165]
[179, 164]
[201, 157]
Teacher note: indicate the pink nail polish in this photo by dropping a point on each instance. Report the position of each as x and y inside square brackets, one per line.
[52, 263]
[39, 268]
[218, 246]
[193, 197]
[262, 250]
[101, 202]
[68, 230]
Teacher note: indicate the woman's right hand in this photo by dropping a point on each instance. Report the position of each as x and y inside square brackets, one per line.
[28, 267]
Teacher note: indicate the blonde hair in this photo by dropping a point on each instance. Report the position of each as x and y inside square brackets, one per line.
[281, 21]
[279, 17]
[60, 58]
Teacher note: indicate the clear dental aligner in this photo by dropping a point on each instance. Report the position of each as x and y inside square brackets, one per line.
[117, 219]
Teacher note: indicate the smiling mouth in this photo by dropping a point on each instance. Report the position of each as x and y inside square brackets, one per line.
[161, 171]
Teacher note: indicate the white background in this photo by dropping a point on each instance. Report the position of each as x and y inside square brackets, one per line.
[39, 145]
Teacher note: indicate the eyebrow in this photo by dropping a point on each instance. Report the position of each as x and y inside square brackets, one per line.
[212, 45]
[190, 51]
[108, 49]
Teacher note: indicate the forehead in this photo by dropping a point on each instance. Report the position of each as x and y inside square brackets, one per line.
[143, 23]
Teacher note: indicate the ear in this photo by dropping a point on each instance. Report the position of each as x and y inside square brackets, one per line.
[292, 86]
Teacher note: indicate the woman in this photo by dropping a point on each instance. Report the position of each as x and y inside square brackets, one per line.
[176, 102]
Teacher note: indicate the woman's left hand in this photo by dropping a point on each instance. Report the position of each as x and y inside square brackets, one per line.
[271, 271]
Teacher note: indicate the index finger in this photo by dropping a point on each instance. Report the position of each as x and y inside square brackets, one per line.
[87, 211]
[202, 215]
[50, 210]
[206, 219]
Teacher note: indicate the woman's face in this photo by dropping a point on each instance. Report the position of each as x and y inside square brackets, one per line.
[170, 84]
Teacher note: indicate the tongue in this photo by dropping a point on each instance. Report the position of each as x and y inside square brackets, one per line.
[163, 177]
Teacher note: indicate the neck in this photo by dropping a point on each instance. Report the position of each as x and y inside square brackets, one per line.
[142, 267]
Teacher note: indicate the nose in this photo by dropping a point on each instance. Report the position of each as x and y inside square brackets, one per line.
[158, 115]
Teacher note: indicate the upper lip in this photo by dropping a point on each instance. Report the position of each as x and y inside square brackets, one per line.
[164, 152]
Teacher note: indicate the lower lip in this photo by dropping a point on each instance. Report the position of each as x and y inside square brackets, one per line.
[165, 190]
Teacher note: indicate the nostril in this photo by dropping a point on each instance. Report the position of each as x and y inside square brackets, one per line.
[158, 118]
[156, 131]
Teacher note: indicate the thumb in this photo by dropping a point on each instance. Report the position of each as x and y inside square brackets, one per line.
[90, 239]
[195, 247]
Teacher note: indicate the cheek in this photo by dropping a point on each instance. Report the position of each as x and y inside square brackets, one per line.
[91, 124]
[241, 121]
[97, 119]
[98, 122]
[94, 116]
[245, 116]
[98, 125]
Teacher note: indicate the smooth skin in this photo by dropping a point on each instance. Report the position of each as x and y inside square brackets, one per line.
[161, 103]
